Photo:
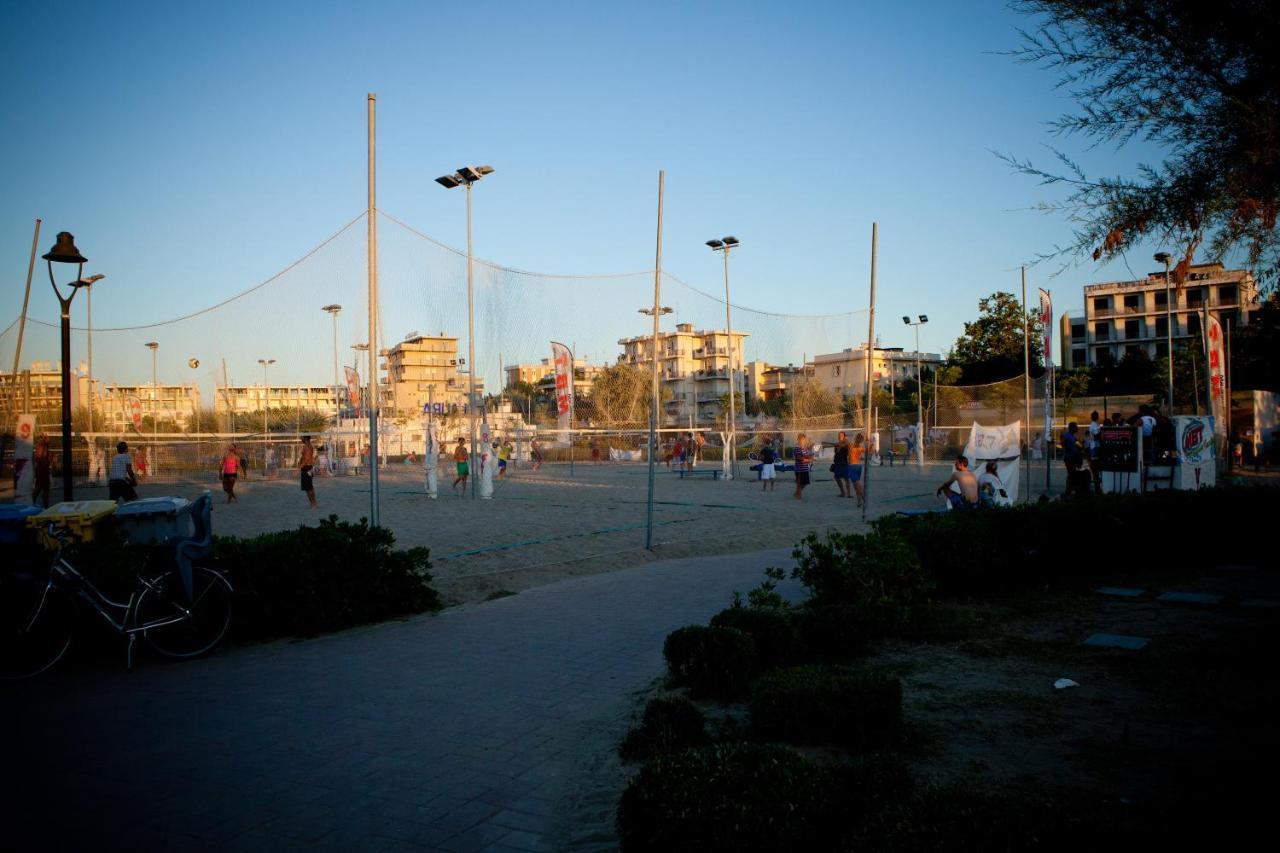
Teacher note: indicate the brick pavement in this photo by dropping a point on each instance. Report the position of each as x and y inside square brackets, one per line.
[460, 731]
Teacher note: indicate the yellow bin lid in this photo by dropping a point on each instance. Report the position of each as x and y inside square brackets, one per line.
[83, 511]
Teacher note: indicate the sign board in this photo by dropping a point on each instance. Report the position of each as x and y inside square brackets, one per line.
[1197, 458]
[25, 435]
[1118, 449]
[563, 362]
[135, 412]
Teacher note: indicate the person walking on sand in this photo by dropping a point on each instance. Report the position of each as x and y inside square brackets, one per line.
[803, 455]
[460, 459]
[535, 451]
[855, 467]
[768, 473]
[231, 471]
[121, 478]
[305, 464]
[840, 466]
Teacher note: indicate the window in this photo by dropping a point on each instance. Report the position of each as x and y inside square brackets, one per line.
[1227, 294]
[1077, 357]
[1193, 324]
[1132, 301]
[1195, 298]
[1102, 331]
[1162, 327]
[835, 370]
[1161, 302]
[1077, 331]
[1101, 304]
[1132, 329]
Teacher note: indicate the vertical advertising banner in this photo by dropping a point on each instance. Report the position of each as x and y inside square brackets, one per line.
[1197, 465]
[1046, 327]
[563, 361]
[1217, 376]
[353, 387]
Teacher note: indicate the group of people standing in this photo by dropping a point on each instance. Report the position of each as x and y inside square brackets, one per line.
[231, 469]
[846, 465]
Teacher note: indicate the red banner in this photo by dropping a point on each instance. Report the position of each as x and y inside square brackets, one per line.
[1217, 375]
[563, 361]
[353, 387]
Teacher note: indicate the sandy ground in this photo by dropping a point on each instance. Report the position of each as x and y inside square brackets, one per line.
[545, 525]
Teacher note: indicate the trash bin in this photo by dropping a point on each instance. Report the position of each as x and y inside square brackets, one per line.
[155, 520]
[13, 520]
[84, 519]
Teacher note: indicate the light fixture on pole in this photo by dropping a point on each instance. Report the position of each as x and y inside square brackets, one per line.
[333, 310]
[87, 284]
[724, 246]
[465, 177]
[155, 403]
[64, 251]
[266, 393]
[924, 318]
[1163, 258]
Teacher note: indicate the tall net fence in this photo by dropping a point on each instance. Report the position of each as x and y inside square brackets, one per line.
[270, 364]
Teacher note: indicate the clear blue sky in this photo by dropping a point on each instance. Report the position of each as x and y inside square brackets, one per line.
[195, 149]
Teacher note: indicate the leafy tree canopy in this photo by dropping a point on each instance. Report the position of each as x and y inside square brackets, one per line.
[1201, 81]
[991, 347]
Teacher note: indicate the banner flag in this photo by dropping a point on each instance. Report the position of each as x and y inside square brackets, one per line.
[563, 362]
[353, 387]
[1217, 377]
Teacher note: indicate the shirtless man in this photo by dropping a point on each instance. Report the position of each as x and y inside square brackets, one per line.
[305, 464]
[968, 483]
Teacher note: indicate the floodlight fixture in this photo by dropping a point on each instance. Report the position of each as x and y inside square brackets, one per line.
[715, 244]
[906, 320]
[1162, 257]
[731, 241]
[448, 181]
[924, 318]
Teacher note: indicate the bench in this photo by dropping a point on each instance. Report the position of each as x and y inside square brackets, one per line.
[713, 473]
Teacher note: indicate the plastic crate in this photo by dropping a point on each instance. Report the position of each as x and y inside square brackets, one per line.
[155, 520]
[82, 518]
[13, 520]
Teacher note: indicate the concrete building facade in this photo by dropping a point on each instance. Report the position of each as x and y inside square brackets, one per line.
[695, 368]
[845, 372]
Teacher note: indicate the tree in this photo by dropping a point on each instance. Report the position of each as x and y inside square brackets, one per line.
[1253, 364]
[620, 395]
[991, 347]
[815, 405]
[1200, 81]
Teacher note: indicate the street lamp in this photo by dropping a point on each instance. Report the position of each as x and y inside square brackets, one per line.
[648, 312]
[155, 403]
[924, 318]
[87, 284]
[1163, 258]
[466, 176]
[337, 396]
[724, 246]
[266, 393]
[64, 251]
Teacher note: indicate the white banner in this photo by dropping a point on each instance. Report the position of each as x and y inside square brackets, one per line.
[1217, 377]
[563, 361]
[998, 444]
[1046, 328]
[1196, 456]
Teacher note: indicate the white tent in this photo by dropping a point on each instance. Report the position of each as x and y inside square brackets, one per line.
[999, 444]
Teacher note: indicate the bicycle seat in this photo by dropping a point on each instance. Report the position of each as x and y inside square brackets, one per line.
[200, 545]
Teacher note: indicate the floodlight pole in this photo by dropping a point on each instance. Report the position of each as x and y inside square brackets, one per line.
[1168, 330]
[372, 216]
[871, 337]
[1026, 376]
[724, 246]
[653, 402]
[22, 318]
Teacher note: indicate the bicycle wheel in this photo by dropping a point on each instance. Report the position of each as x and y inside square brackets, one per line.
[197, 625]
[36, 625]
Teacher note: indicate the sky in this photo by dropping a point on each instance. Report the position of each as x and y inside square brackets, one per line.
[197, 149]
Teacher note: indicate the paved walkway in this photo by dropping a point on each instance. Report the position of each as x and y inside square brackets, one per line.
[461, 731]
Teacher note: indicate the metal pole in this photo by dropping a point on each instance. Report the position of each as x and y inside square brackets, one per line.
[1026, 376]
[728, 474]
[1048, 398]
[471, 352]
[653, 402]
[871, 337]
[1168, 331]
[155, 411]
[65, 305]
[89, 296]
[573, 356]
[374, 496]
[1208, 368]
[22, 319]
[919, 405]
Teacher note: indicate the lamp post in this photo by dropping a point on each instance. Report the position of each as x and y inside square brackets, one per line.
[266, 393]
[924, 318]
[724, 246]
[465, 177]
[1163, 258]
[64, 251]
[333, 310]
[88, 284]
[155, 403]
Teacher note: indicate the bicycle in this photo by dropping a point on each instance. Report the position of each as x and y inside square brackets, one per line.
[182, 611]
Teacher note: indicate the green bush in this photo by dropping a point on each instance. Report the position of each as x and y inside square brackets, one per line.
[737, 796]
[716, 663]
[879, 572]
[771, 629]
[856, 707]
[835, 632]
[314, 579]
[669, 724]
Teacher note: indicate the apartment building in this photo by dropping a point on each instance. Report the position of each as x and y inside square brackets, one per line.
[771, 382]
[1123, 316]
[38, 391]
[176, 403]
[694, 366]
[845, 372]
[543, 376]
[424, 369]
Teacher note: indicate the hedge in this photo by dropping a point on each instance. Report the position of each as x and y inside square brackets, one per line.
[670, 724]
[856, 707]
[770, 629]
[715, 663]
[734, 796]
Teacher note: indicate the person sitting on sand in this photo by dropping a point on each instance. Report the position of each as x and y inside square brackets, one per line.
[967, 483]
